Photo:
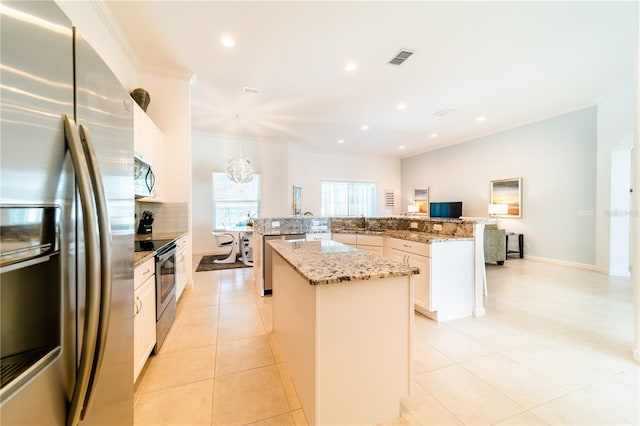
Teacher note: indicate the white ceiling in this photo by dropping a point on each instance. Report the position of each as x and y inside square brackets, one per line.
[512, 62]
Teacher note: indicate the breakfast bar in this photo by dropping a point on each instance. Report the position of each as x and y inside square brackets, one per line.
[343, 318]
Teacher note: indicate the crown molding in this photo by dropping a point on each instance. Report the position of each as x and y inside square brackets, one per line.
[122, 41]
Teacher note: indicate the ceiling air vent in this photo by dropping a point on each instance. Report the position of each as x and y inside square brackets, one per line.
[444, 111]
[401, 56]
[389, 198]
[252, 90]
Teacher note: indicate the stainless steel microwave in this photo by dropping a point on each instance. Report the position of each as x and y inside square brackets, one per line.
[144, 180]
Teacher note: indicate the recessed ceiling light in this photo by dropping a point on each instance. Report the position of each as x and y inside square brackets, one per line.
[481, 119]
[365, 127]
[227, 41]
[401, 147]
[402, 107]
[340, 140]
[433, 135]
[351, 67]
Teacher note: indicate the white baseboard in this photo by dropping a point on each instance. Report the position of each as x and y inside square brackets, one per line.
[566, 263]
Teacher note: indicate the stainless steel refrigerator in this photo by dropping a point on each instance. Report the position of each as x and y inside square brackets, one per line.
[67, 225]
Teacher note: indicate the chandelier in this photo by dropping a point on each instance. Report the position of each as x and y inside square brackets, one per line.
[240, 169]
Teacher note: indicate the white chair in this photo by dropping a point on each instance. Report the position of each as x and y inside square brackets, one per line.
[246, 249]
[226, 239]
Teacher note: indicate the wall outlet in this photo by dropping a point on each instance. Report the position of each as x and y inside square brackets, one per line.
[275, 224]
[413, 225]
[437, 227]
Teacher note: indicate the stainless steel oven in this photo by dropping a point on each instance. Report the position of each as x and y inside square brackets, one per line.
[165, 291]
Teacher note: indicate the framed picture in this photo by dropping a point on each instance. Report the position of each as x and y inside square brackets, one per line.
[421, 201]
[509, 192]
[297, 200]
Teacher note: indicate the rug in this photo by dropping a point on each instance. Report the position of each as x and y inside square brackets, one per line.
[206, 264]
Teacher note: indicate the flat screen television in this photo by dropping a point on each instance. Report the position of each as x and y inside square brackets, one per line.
[446, 209]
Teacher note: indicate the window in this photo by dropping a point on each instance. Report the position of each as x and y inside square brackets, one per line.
[232, 202]
[348, 199]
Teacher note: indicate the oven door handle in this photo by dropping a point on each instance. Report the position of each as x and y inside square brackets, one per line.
[92, 249]
[105, 261]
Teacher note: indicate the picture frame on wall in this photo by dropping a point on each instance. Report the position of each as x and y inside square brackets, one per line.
[509, 192]
[297, 200]
[421, 201]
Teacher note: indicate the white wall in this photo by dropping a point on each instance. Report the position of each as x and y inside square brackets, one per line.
[89, 16]
[281, 165]
[319, 166]
[556, 159]
[615, 139]
[210, 154]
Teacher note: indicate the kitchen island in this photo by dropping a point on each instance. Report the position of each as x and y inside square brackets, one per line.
[343, 318]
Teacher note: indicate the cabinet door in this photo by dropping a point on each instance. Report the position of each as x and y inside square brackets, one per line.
[348, 239]
[397, 255]
[181, 272]
[144, 324]
[318, 236]
[422, 281]
[372, 249]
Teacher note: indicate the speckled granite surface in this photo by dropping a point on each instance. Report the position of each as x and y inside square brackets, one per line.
[421, 237]
[141, 257]
[329, 262]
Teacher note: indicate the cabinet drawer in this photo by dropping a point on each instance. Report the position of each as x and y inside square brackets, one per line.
[181, 243]
[421, 249]
[370, 240]
[345, 238]
[143, 272]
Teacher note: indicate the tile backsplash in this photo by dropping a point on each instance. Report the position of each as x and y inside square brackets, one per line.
[168, 217]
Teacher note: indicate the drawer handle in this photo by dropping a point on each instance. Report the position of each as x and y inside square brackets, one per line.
[406, 245]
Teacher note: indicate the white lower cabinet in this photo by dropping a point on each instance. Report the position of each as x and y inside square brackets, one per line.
[181, 266]
[318, 236]
[370, 243]
[415, 254]
[144, 315]
[444, 288]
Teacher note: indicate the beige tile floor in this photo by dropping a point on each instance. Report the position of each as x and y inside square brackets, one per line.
[554, 348]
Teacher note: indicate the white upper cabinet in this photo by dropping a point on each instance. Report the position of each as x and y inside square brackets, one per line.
[148, 141]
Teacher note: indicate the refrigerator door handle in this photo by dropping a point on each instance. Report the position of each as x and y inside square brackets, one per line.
[92, 248]
[105, 261]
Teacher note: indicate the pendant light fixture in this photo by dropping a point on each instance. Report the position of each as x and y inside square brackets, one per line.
[239, 168]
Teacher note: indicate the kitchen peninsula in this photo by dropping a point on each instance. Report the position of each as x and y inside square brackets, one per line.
[343, 318]
[448, 252]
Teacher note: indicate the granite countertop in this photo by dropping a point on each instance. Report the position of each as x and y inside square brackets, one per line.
[292, 231]
[329, 262]
[421, 237]
[159, 236]
[142, 256]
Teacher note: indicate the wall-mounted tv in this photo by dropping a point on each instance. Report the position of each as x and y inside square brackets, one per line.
[446, 209]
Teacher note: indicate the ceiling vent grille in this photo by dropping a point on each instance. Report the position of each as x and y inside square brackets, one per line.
[252, 90]
[444, 111]
[389, 198]
[401, 56]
